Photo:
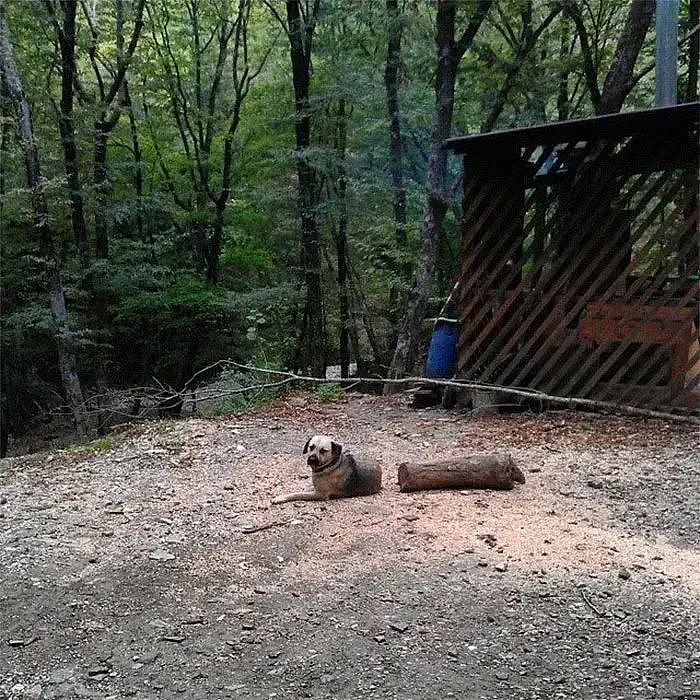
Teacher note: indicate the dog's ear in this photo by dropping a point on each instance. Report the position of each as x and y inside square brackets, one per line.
[336, 449]
[306, 447]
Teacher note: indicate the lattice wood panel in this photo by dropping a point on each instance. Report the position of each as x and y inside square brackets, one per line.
[580, 264]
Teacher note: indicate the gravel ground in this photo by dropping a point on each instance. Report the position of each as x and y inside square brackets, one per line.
[153, 565]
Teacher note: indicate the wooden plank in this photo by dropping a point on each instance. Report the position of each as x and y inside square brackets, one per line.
[680, 118]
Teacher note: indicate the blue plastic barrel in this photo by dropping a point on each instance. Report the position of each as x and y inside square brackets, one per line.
[442, 354]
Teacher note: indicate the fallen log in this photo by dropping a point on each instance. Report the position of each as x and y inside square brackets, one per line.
[485, 471]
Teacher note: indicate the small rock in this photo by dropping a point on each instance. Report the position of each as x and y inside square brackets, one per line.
[194, 621]
[624, 574]
[173, 638]
[501, 567]
[161, 555]
[380, 638]
[501, 675]
[482, 563]
[398, 626]
[16, 642]
[149, 657]
[594, 484]
[248, 626]
[409, 518]
[98, 671]
[61, 675]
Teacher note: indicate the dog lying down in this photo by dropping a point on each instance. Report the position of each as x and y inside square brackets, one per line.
[334, 473]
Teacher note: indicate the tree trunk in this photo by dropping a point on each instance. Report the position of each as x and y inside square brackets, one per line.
[342, 241]
[391, 82]
[102, 187]
[5, 421]
[300, 52]
[67, 130]
[691, 91]
[528, 39]
[496, 471]
[437, 196]
[563, 103]
[138, 164]
[449, 55]
[620, 77]
[67, 360]
[108, 116]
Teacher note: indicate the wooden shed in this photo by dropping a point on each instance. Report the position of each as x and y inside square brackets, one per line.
[581, 256]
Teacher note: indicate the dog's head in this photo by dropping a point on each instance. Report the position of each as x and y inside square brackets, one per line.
[321, 451]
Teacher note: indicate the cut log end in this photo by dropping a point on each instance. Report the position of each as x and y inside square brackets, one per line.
[494, 471]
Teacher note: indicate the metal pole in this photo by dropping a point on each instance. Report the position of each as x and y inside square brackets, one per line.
[666, 52]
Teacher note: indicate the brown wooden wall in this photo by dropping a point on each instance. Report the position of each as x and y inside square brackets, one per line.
[580, 259]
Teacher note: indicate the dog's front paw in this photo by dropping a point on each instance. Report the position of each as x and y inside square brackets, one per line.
[277, 500]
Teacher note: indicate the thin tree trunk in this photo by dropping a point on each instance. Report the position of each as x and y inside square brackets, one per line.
[528, 39]
[563, 103]
[620, 77]
[67, 360]
[108, 115]
[5, 419]
[688, 264]
[691, 91]
[391, 82]
[300, 52]
[138, 163]
[102, 187]
[449, 55]
[342, 240]
[67, 130]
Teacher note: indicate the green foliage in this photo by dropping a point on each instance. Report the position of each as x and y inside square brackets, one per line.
[328, 391]
[94, 446]
[187, 300]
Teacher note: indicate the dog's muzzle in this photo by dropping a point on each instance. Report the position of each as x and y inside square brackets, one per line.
[312, 461]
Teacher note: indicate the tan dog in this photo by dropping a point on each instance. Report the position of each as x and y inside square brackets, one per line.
[334, 473]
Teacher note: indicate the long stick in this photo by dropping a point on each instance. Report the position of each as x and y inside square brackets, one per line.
[287, 378]
[570, 401]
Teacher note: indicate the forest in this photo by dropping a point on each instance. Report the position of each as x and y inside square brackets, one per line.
[188, 181]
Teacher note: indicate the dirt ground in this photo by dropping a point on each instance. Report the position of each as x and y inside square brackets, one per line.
[134, 569]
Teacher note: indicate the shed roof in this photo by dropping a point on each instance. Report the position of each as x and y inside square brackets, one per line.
[679, 117]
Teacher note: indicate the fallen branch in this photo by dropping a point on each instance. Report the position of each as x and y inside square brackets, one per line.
[568, 401]
[599, 613]
[259, 528]
[285, 378]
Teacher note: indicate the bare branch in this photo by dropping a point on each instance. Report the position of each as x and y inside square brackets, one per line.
[465, 41]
